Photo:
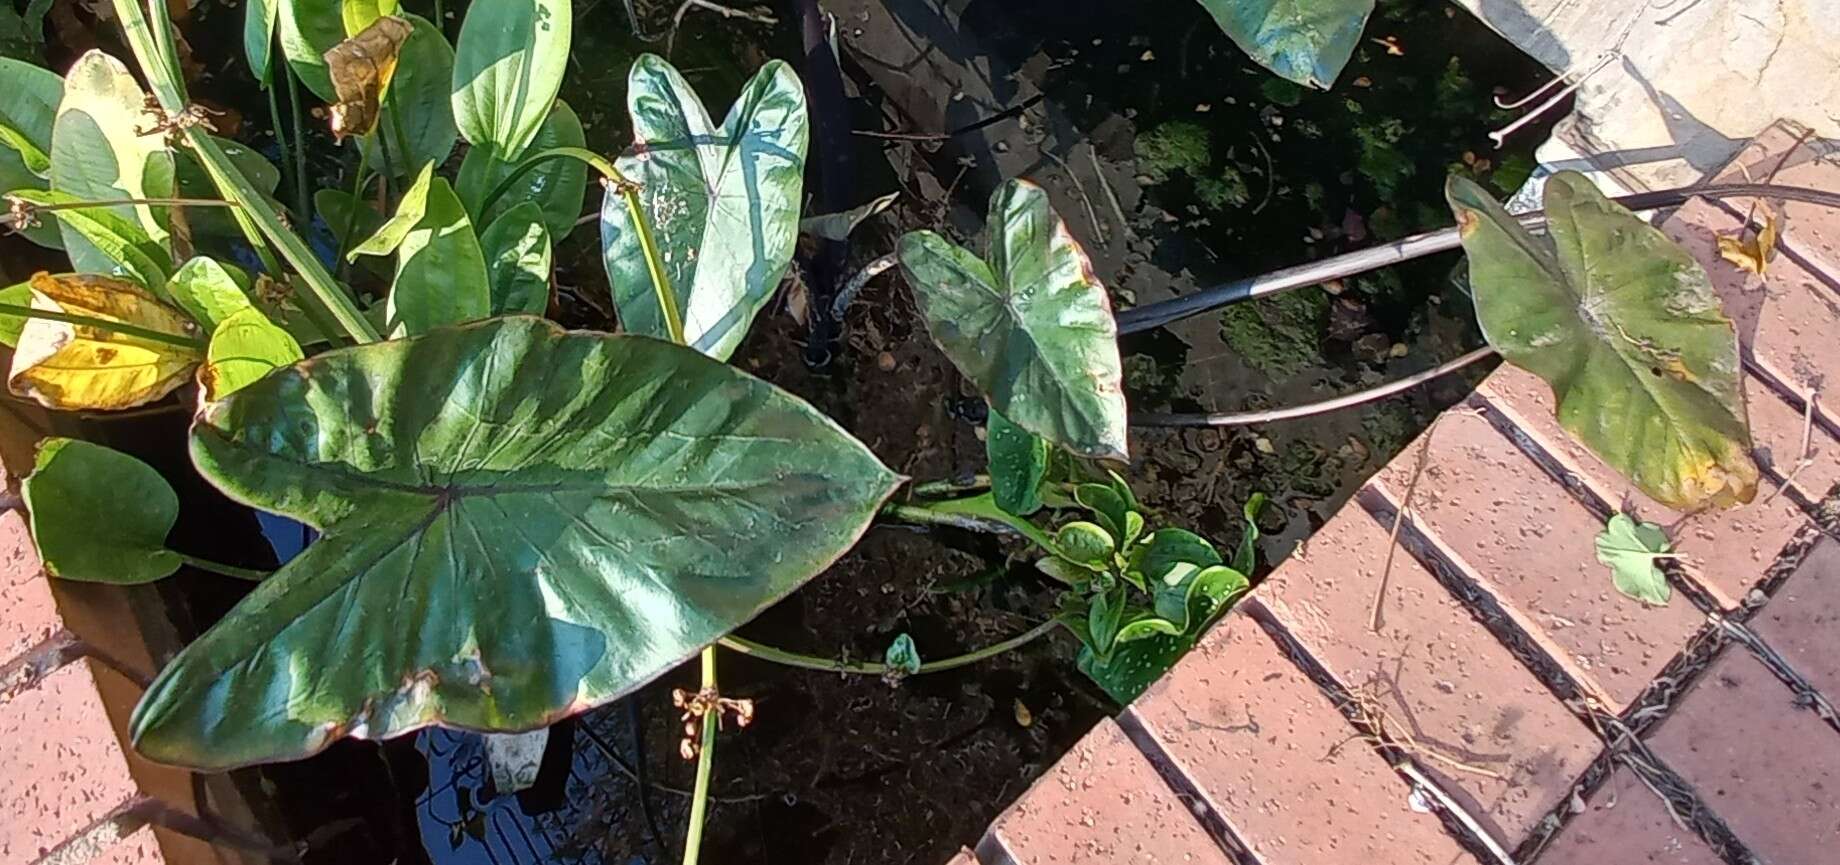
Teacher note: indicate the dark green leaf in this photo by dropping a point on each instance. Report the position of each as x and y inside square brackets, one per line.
[29, 97]
[193, 181]
[309, 29]
[1306, 41]
[507, 69]
[1032, 328]
[1018, 463]
[1167, 548]
[1625, 326]
[1104, 617]
[11, 325]
[99, 154]
[517, 251]
[1629, 549]
[417, 99]
[723, 202]
[1108, 509]
[440, 269]
[337, 208]
[559, 185]
[1134, 666]
[1084, 543]
[259, 19]
[99, 515]
[111, 243]
[518, 524]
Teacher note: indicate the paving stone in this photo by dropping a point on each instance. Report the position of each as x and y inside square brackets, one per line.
[64, 766]
[1770, 769]
[1518, 531]
[1624, 823]
[1810, 229]
[1103, 803]
[1435, 671]
[28, 615]
[1273, 756]
[1802, 619]
[1726, 551]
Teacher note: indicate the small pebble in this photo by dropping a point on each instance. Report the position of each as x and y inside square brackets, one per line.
[885, 362]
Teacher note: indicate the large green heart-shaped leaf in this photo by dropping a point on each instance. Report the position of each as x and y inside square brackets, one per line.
[417, 104]
[724, 203]
[557, 185]
[1625, 326]
[519, 524]
[1306, 41]
[508, 68]
[1032, 328]
[75, 483]
[99, 154]
[440, 269]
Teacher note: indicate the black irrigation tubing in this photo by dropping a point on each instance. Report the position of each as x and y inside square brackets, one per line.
[1348, 264]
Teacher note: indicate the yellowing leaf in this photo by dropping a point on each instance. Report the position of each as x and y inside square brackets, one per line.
[1752, 253]
[74, 366]
[361, 67]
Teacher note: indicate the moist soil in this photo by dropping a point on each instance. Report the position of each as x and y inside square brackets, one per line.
[1203, 168]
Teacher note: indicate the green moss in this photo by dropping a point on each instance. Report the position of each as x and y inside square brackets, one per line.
[1279, 335]
[1382, 162]
[1227, 190]
[1177, 146]
[1389, 426]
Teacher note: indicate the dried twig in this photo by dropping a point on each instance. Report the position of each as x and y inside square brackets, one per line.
[1399, 518]
[677, 20]
[1370, 713]
[1807, 457]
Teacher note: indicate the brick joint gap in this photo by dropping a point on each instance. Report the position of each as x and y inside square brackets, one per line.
[1186, 791]
[1806, 695]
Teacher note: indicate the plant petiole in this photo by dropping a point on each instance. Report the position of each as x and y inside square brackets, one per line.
[222, 569]
[872, 668]
[135, 331]
[705, 764]
[977, 514]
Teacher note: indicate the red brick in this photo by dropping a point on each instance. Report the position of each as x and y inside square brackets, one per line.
[1625, 823]
[1802, 618]
[1776, 438]
[1103, 803]
[1726, 550]
[64, 766]
[1273, 756]
[1810, 229]
[1770, 769]
[28, 615]
[1437, 671]
[1518, 531]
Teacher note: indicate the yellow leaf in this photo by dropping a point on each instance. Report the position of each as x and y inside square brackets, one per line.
[361, 67]
[74, 366]
[1751, 253]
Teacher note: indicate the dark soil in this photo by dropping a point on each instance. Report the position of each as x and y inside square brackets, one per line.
[1220, 170]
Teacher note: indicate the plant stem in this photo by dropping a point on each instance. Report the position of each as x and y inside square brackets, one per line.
[635, 209]
[872, 668]
[135, 331]
[281, 143]
[6, 219]
[351, 214]
[966, 514]
[303, 201]
[705, 764]
[934, 489]
[220, 568]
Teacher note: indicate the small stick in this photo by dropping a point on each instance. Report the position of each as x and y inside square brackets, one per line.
[1807, 458]
[1399, 518]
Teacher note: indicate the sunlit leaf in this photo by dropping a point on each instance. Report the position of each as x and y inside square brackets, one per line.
[244, 348]
[1748, 251]
[517, 252]
[561, 516]
[418, 93]
[259, 21]
[309, 28]
[507, 69]
[11, 325]
[558, 185]
[29, 97]
[1032, 327]
[360, 14]
[724, 202]
[69, 366]
[440, 269]
[208, 291]
[1629, 549]
[1246, 556]
[193, 181]
[99, 515]
[98, 153]
[1306, 41]
[1018, 463]
[361, 68]
[113, 243]
[1084, 543]
[1625, 326]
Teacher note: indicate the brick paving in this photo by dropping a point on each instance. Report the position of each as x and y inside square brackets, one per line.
[1512, 707]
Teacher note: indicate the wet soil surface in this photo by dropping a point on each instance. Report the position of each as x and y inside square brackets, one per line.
[1179, 164]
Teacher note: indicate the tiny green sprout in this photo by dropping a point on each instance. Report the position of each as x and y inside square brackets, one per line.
[1630, 548]
[902, 659]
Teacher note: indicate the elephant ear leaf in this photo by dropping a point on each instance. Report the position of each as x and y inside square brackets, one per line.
[724, 202]
[1305, 41]
[564, 517]
[1032, 327]
[507, 69]
[1625, 326]
[73, 485]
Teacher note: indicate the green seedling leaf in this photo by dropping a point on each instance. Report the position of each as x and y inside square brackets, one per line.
[1032, 328]
[309, 29]
[1018, 464]
[418, 93]
[558, 185]
[839, 226]
[724, 202]
[563, 517]
[1165, 549]
[517, 251]
[1625, 326]
[1104, 618]
[1196, 595]
[1156, 642]
[259, 20]
[902, 657]
[209, 292]
[1109, 509]
[29, 98]
[1629, 549]
[1132, 666]
[112, 243]
[99, 515]
[99, 154]
[244, 348]
[1076, 576]
[440, 269]
[507, 69]
[1084, 543]
[1305, 41]
[1246, 557]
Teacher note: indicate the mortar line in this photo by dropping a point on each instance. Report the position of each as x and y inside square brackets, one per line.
[1194, 800]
